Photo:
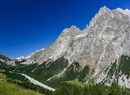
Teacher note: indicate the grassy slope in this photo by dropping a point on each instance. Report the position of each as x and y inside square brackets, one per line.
[13, 89]
[74, 82]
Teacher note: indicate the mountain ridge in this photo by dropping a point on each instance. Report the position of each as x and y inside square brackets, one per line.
[94, 53]
[78, 34]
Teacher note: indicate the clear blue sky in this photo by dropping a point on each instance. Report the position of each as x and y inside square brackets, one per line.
[28, 25]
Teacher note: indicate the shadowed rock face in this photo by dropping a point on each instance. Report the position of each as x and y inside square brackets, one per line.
[103, 41]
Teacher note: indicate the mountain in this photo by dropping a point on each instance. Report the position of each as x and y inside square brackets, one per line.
[6, 60]
[100, 53]
[3, 58]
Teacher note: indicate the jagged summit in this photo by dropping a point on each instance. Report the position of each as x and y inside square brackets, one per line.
[103, 10]
[72, 31]
[125, 11]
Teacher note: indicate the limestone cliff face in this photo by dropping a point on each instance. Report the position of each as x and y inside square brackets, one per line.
[103, 41]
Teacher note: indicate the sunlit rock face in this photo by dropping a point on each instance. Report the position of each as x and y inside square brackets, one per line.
[104, 40]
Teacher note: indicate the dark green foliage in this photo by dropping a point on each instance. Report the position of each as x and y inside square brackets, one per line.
[44, 71]
[3, 65]
[62, 91]
[113, 69]
[84, 73]
[124, 65]
[115, 89]
[6, 67]
[72, 72]
[93, 89]
[96, 89]
[18, 63]
[24, 68]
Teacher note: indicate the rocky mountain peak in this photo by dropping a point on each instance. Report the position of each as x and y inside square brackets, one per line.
[100, 46]
[103, 10]
[72, 31]
[103, 36]
[125, 11]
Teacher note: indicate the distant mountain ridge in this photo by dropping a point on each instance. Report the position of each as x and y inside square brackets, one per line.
[3, 58]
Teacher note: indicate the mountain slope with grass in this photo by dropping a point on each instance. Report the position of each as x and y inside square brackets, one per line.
[7, 88]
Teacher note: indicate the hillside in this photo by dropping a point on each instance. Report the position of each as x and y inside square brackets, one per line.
[7, 88]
